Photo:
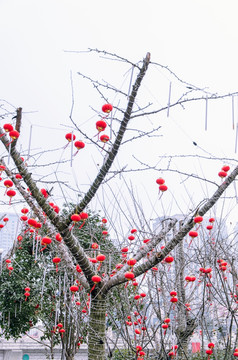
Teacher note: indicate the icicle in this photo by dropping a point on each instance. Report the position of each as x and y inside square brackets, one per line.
[236, 137]
[72, 150]
[20, 307]
[170, 86]
[9, 153]
[29, 145]
[206, 113]
[233, 112]
[9, 319]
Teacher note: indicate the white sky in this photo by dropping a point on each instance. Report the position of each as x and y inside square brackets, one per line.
[196, 39]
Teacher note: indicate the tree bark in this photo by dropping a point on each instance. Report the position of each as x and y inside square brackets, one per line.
[97, 328]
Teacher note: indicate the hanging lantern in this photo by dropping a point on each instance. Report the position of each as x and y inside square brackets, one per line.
[79, 145]
[14, 135]
[8, 183]
[78, 269]
[70, 137]
[131, 237]
[10, 268]
[58, 237]
[18, 176]
[169, 259]
[222, 174]
[163, 188]
[100, 258]
[129, 276]
[94, 246]
[23, 218]
[56, 260]
[96, 279]
[104, 138]
[104, 221]
[225, 168]
[107, 108]
[32, 222]
[11, 193]
[160, 181]
[83, 216]
[101, 125]
[198, 219]
[62, 331]
[45, 193]
[8, 127]
[45, 241]
[173, 293]
[131, 262]
[75, 218]
[74, 289]
[24, 211]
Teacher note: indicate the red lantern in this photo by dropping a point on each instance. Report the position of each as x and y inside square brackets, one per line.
[62, 331]
[104, 138]
[10, 268]
[24, 211]
[131, 237]
[44, 193]
[198, 219]
[24, 218]
[226, 168]
[78, 269]
[79, 145]
[173, 293]
[100, 258]
[101, 125]
[83, 217]
[70, 137]
[58, 237]
[11, 193]
[14, 135]
[169, 259]
[74, 289]
[32, 222]
[160, 181]
[75, 218]
[96, 279]
[131, 262]
[56, 261]
[107, 108]
[27, 294]
[1, 226]
[222, 174]
[8, 127]
[18, 176]
[8, 183]
[45, 241]
[163, 188]
[94, 246]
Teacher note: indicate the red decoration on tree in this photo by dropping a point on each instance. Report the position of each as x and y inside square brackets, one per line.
[107, 108]
[11, 193]
[56, 260]
[45, 241]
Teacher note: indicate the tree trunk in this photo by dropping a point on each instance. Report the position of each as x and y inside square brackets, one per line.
[97, 328]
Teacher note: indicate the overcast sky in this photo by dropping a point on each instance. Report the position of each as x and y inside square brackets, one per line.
[196, 39]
